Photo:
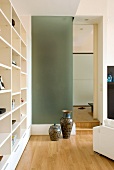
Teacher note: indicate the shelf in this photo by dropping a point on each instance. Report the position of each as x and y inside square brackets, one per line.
[16, 108]
[6, 100]
[24, 95]
[16, 67]
[23, 42]
[22, 132]
[16, 133]
[17, 21]
[16, 58]
[23, 80]
[22, 104]
[3, 138]
[2, 66]
[3, 12]
[23, 34]
[16, 101]
[5, 54]
[23, 49]
[6, 9]
[25, 88]
[13, 28]
[5, 27]
[15, 80]
[4, 160]
[15, 126]
[23, 73]
[24, 110]
[4, 41]
[5, 150]
[6, 77]
[23, 118]
[15, 145]
[23, 66]
[16, 93]
[23, 58]
[5, 131]
[15, 41]
[13, 49]
[16, 116]
[2, 116]
[16, 51]
[5, 91]
[23, 127]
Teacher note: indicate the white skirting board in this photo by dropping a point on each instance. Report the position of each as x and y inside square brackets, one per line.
[43, 129]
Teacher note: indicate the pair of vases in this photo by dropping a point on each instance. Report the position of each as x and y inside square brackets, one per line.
[66, 123]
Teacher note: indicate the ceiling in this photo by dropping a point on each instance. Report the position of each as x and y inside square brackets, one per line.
[86, 20]
[81, 33]
[83, 29]
[46, 7]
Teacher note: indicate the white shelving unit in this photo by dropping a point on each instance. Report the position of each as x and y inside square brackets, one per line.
[14, 131]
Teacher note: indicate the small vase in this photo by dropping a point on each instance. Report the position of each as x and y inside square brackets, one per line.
[13, 22]
[110, 78]
[66, 123]
[2, 87]
[54, 132]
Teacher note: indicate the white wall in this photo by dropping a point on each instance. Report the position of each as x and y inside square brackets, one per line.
[92, 8]
[82, 38]
[82, 64]
[104, 8]
[110, 32]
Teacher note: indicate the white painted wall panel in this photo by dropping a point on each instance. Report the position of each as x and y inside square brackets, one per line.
[82, 79]
[83, 92]
[82, 66]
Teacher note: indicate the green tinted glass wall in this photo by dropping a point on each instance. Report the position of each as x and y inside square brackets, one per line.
[52, 68]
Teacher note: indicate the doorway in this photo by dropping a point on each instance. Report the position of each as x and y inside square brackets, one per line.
[83, 86]
[85, 71]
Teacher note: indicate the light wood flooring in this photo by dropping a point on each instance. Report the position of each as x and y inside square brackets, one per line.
[82, 114]
[75, 153]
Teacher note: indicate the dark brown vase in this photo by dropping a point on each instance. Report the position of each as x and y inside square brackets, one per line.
[66, 124]
[13, 22]
[54, 132]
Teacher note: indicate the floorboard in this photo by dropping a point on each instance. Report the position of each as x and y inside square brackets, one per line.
[75, 153]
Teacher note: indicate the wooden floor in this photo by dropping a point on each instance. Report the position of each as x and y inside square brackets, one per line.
[75, 153]
[82, 114]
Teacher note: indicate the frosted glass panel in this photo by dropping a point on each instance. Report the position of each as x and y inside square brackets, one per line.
[52, 71]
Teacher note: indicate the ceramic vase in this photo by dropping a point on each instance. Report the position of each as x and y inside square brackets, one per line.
[13, 22]
[54, 132]
[66, 124]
